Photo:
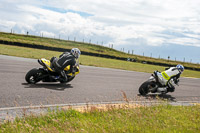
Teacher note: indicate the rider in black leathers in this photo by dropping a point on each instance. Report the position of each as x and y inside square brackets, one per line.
[65, 59]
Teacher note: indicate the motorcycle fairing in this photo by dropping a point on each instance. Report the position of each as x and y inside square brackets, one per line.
[47, 63]
[161, 80]
[70, 74]
[67, 68]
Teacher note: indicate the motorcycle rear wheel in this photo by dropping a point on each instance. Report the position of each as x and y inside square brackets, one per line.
[32, 76]
[144, 88]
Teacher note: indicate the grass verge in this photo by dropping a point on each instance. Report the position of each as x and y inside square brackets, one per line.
[159, 118]
[86, 47]
[89, 60]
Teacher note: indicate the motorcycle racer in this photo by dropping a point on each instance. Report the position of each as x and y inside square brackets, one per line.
[65, 59]
[162, 82]
[171, 75]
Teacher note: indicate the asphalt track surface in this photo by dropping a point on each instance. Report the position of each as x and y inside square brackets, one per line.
[93, 84]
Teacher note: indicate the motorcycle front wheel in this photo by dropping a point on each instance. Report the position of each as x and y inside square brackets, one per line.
[70, 78]
[32, 76]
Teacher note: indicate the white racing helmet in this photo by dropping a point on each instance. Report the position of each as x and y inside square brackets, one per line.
[76, 52]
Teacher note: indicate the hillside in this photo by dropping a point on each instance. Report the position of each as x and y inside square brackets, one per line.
[93, 49]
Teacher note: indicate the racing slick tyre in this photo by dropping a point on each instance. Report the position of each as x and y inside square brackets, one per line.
[32, 76]
[68, 79]
[144, 88]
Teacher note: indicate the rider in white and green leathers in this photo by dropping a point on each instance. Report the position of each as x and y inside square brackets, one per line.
[171, 74]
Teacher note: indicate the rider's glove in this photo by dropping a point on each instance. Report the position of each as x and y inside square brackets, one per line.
[176, 81]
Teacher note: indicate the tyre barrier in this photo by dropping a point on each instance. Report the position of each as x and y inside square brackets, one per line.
[87, 53]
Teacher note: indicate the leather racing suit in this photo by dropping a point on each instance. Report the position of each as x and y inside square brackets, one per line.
[168, 75]
[64, 60]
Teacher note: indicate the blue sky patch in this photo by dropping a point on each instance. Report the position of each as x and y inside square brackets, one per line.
[61, 10]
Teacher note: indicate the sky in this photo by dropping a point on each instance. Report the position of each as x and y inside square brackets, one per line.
[154, 28]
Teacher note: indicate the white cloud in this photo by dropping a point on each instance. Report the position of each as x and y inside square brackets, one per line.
[185, 41]
[47, 34]
[6, 25]
[121, 22]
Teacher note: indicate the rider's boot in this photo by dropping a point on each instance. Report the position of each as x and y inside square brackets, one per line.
[63, 77]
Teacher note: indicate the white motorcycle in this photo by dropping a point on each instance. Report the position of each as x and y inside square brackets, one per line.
[155, 84]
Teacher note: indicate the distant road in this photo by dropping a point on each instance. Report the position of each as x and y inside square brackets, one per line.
[93, 84]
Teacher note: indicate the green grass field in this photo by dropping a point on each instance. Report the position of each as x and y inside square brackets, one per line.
[160, 118]
[89, 60]
[92, 48]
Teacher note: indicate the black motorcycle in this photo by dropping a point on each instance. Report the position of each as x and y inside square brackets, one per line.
[48, 74]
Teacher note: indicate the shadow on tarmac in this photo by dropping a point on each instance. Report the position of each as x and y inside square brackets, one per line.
[160, 96]
[57, 86]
